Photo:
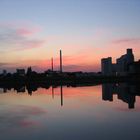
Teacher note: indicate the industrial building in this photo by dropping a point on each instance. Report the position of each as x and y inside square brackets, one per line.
[121, 67]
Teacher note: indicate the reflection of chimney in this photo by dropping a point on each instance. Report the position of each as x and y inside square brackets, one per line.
[52, 63]
[61, 90]
[60, 61]
[52, 92]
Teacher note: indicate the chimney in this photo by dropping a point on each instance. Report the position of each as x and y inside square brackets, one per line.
[52, 63]
[60, 61]
[129, 51]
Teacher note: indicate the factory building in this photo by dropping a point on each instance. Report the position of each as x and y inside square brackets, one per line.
[121, 67]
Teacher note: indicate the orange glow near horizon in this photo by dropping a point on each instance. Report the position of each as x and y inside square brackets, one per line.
[26, 47]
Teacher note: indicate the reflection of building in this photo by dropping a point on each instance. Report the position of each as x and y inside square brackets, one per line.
[134, 68]
[5, 90]
[125, 92]
[21, 72]
[107, 92]
[121, 66]
[20, 89]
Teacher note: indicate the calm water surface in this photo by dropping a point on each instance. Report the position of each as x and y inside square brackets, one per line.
[70, 113]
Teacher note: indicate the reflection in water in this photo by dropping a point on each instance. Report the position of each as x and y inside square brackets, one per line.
[124, 91]
[52, 92]
[31, 89]
[82, 116]
[61, 90]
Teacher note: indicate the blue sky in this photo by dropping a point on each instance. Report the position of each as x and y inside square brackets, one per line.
[77, 24]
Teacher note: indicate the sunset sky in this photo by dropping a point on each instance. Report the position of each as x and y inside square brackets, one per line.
[33, 31]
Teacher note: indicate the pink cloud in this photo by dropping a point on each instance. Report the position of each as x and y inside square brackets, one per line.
[127, 40]
[31, 44]
[20, 38]
[25, 31]
[27, 123]
[22, 115]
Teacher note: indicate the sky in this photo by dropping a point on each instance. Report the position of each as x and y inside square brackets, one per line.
[33, 31]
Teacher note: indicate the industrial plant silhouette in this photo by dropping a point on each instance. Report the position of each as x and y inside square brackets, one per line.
[120, 78]
[125, 69]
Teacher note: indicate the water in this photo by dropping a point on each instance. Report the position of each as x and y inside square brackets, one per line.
[99, 112]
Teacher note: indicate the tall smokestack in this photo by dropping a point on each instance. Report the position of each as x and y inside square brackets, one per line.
[52, 63]
[60, 61]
